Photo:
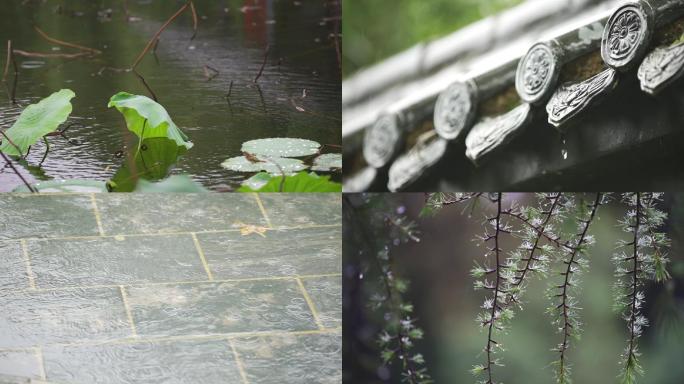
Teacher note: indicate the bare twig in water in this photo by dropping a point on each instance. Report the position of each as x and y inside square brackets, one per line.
[50, 55]
[125, 9]
[210, 73]
[7, 63]
[156, 35]
[47, 150]
[16, 172]
[10, 58]
[154, 48]
[194, 20]
[230, 89]
[11, 142]
[336, 37]
[261, 96]
[152, 43]
[263, 64]
[142, 79]
[64, 43]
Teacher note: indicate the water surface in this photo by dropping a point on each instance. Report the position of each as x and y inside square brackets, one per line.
[232, 38]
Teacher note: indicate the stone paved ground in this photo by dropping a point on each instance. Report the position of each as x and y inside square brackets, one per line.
[171, 288]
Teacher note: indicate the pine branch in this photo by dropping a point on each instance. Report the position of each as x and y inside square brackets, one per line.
[642, 221]
[400, 333]
[496, 308]
[540, 233]
[572, 266]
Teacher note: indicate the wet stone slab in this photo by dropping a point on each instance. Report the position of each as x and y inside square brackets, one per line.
[303, 209]
[217, 308]
[115, 260]
[302, 359]
[12, 266]
[20, 363]
[311, 251]
[158, 213]
[31, 318]
[46, 216]
[172, 362]
[326, 294]
[139, 305]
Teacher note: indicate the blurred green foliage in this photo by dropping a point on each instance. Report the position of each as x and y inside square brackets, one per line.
[376, 29]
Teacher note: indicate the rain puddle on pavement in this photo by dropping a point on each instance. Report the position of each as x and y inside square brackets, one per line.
[159, 288]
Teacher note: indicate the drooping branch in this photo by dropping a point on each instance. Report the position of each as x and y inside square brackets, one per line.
[525, 221]
[541, 232]
[633, 312]
[398, 338]
[497, 312]
[572, 266]
[637, 267]
[497, 287]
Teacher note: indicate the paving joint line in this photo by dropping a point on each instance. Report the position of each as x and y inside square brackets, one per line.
[88, 237]
[29, 269]
[98, 218]
[41, 362]
[238, 362]
[310, 303]
[153, 284]
[200, 252]
[263, 210]
[164, 339]
[127, 308]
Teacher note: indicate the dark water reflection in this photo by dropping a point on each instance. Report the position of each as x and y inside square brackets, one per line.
[232, 37]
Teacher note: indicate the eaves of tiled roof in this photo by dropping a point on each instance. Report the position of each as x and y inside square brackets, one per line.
[535, 109]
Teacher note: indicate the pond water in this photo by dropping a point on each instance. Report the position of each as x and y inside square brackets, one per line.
[298, 95]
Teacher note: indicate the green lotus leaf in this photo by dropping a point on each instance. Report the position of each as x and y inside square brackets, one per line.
[36, 121]
[174, 184]
[301, 182]
[241, 164]
[147, 118]
[66, 186]
[327, 162]
[257, 181]
[153, 162]
[281, 147]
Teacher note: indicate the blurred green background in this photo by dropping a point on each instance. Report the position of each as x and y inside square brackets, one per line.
[376, 29]
[446, 305]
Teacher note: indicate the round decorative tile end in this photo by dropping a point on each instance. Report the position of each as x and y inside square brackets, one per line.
[455, 110]
[537, 73]
[381, 141]
[626, 36]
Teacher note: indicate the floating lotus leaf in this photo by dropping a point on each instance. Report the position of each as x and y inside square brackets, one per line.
[147, 118]
[36, 121]
[241, 164]
[281, 147]
[301, 182]
[327, 162]
[70, 186]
